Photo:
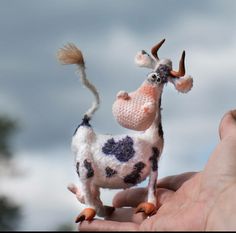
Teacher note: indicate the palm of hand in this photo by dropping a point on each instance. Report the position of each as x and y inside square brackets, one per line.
[189, 208]
[191, 201]
[199, 198]
[181, 209]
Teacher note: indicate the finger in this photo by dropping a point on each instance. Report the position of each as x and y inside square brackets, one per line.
[126, 215]
[163, 196]
[228, 125]
[174, 182]
[222, 163]
[105, 225]
[130, 197]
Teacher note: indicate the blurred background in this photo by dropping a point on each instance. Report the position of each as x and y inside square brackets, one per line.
[42, 102]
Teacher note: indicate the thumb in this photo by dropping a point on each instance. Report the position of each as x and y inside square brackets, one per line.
[220, 169]
[228, 125]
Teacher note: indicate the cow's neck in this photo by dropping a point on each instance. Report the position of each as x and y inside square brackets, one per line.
[155, 130]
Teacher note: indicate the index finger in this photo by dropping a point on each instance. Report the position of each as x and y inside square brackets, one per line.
[130, 197]
[175, 182]
[133, 197]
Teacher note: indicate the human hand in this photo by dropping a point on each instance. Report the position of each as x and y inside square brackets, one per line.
[190, 201]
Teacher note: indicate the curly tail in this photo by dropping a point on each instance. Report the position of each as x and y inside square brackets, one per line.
[70, 54]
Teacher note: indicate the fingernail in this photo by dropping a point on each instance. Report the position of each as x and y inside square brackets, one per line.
[233, 112]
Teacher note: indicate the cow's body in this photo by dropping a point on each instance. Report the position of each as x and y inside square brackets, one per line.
[114, 158]
[123, 161]
[117, 162]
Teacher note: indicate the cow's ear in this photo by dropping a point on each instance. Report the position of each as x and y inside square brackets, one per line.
[143, 59]
[183, 84]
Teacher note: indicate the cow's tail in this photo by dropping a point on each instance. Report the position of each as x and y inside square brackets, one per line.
[70, 54]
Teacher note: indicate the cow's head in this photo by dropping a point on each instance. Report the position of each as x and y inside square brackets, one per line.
[162, 71]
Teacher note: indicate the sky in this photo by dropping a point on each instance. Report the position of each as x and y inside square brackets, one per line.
[48, 100]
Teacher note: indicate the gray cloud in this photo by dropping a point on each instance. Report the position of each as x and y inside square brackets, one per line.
[31, 33]
[49, 100]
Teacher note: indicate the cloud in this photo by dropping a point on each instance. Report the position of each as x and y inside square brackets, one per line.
[110, 37]
[49, 100]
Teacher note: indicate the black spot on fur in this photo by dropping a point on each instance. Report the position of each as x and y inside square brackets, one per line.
[85, 122]
[160, 130]
[135, 176]
[154, 158]
[77, 168]
[123, 150]
[88, 166]
[110, 172]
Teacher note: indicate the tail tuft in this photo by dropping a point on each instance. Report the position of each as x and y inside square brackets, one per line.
[70, 54]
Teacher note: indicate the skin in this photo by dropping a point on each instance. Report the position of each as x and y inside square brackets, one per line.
[191, 201]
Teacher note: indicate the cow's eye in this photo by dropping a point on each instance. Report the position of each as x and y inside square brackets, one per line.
[152, 77]
[158, 80]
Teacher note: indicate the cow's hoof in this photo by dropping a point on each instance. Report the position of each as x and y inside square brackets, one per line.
[146, 207]
[87, 214]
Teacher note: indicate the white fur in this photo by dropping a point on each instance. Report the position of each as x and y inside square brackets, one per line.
[86, 144]
[163, 61]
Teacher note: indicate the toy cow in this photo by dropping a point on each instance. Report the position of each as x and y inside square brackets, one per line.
[122, 161]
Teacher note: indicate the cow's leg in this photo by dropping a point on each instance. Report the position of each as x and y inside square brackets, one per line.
[149, 207]
[77, 191]
[102, 210]
[86, 176]
[152, 188]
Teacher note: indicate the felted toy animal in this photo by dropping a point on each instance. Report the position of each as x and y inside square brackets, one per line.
[122, 161]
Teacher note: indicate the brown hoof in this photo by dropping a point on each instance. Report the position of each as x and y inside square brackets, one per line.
[87, 214]
[146, 207]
